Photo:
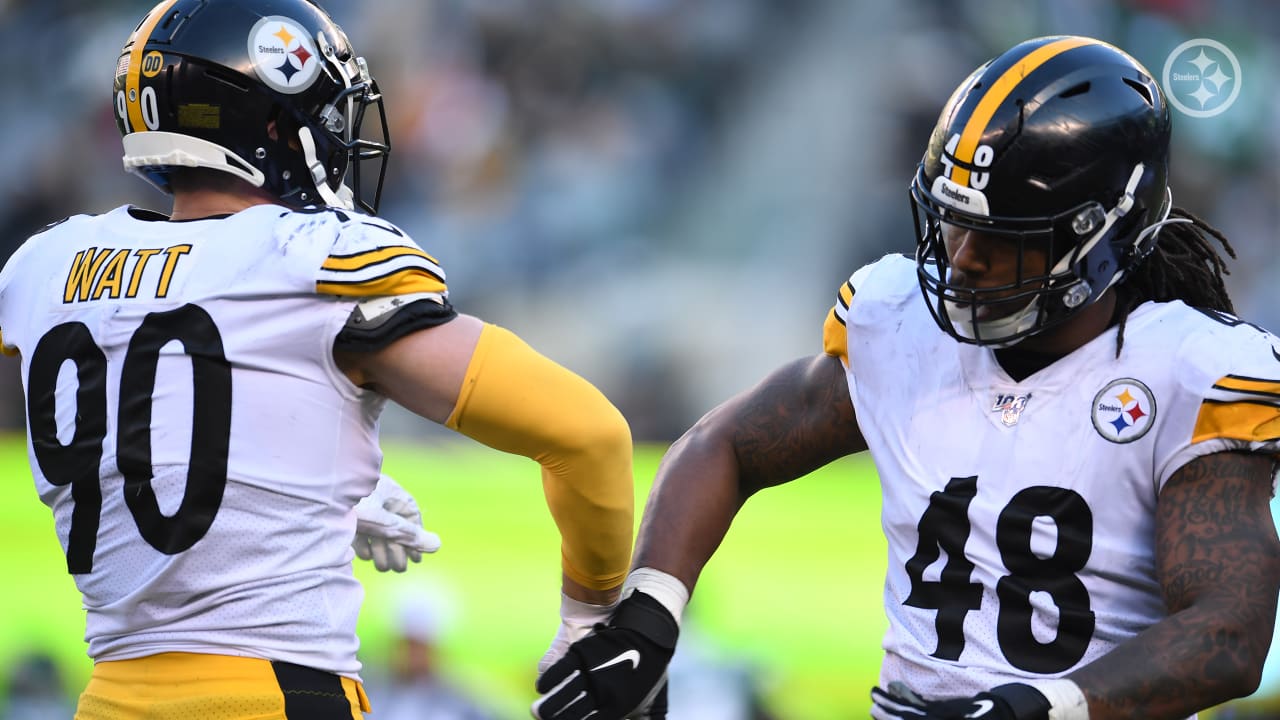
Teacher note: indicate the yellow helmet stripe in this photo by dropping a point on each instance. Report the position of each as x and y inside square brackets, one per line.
[996, 94]
[133, 89]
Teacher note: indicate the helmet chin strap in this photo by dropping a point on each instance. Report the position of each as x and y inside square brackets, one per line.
[1122, 208]
[978, 330]
[331, 198]
[1013, 324]
[1116, 213]
[1154, 227]
[1078, 292]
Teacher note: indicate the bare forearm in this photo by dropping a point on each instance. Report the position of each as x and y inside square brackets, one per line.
[694, 500]
[1187, 662]
[1218, 561]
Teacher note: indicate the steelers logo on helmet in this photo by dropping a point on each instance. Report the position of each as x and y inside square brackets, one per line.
[283, 55]
[1124, 410]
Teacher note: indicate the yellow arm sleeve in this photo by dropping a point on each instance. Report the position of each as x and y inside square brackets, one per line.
[516, 400]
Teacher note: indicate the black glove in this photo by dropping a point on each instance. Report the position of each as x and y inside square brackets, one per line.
[657, 709]
[1014, 701]
[617, 671]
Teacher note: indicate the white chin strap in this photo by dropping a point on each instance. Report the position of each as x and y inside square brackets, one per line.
[353, 69]
[340, 199]
[961, 318]
[1122, 208]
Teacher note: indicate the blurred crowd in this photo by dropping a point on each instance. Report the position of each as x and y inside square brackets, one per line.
[663, 195]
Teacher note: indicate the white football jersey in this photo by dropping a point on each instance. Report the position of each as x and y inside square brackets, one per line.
[1020, 516]
[187, 425]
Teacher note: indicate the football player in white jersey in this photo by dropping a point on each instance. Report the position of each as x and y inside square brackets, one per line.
[1075, 438]
[203, 388]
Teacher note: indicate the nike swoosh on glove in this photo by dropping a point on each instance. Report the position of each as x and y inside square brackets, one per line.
[616, 672]
[389, 528]
[1014, 701]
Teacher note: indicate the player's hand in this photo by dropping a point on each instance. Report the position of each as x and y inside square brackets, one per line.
[1014, 701]
[656, 709]
[617, 671]
[577, 618]
[389, 528]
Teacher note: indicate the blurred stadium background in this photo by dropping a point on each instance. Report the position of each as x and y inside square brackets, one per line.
[662, 195]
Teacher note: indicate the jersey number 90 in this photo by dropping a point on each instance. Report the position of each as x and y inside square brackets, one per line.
[78, 463]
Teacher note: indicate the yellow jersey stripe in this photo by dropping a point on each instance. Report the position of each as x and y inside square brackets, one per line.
[133, 85]
[360, 260]
[1240, 383]
[400, 282]
[976, 127]
[846, 294]
[1246, 421]
[10, 351]
[835, 337]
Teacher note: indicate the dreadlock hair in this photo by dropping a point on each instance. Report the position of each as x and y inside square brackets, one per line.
[1185, 265]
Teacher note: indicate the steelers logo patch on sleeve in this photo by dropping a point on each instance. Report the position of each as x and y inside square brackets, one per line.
[1123, 410]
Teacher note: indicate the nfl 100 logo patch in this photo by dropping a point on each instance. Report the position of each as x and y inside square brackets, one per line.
[1010, 407]
[1123, 410]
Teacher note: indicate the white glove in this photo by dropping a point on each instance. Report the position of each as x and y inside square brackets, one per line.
[389, 528]
[577, 618]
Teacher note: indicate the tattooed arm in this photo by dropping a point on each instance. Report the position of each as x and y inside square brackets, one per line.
[796, 420]
[1218, 562]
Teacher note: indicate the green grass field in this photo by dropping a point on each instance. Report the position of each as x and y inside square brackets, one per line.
[795, 590]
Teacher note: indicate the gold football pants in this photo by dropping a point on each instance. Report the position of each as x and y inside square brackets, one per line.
[180, 686]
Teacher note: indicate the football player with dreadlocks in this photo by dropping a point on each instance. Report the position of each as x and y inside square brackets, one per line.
[1075, 437]
[203, 388]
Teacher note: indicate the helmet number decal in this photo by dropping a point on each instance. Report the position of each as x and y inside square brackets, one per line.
[152, 64]
[150, 109]
[983, 156]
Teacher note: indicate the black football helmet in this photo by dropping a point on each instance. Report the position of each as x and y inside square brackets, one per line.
[1060, 141]
[199, 81]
